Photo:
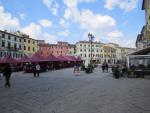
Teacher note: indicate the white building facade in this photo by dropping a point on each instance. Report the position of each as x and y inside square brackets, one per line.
[83, 49]
[11, 44]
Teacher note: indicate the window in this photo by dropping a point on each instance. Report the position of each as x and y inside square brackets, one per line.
[15, 39]
[80, 50]
[61, 52]
[28, 48]
[9, 45]
[24, 40]
[1, 54]
[19, 40]
[9, 37]
[57, 52]
[97, 50]
[24, 47]
[3, 44]
[3, 35]
[89, 50]
[85, 55]
[85, 50]
[28, 41]
[89, 55]
[33, 42]
[20, 47]
[81, 55]
[80, 44]
[33, 49]
[15, 46]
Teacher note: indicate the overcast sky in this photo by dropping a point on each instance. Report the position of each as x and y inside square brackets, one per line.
[117, 21]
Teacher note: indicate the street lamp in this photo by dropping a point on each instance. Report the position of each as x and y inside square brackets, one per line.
[91, 38]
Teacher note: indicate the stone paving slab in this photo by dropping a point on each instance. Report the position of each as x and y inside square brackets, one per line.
[62, 92]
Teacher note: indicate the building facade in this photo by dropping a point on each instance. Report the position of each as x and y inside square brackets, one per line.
[143, 39]
[72, 49]
[84, 51]
[109, 54]
[11, 44]
[61, 48]
[30, 45]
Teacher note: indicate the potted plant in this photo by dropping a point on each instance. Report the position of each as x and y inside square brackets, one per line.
[82, 67]
[89, 69]
[116, 72]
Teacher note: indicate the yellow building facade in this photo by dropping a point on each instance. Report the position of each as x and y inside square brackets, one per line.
[109, 54]
[30, 46]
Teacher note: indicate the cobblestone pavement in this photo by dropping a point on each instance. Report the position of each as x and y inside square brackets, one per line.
[63, 92]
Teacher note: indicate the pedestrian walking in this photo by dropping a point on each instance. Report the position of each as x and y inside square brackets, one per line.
[103, 67]
[7, 73]
[38, 68]
[106, 67]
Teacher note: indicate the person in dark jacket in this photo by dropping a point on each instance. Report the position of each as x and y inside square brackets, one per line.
[7, 73]
[106, 67]
[103, 67]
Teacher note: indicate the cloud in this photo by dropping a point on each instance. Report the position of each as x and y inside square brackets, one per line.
[64, 33]
[115, 34]
[45, 23]
[97, 24]
[22, 16]
[35, 31]
[74, 3]
[126, 5]
[63, 23]
[89, 20]
[52, 5]
[7, 21]
[118, 37]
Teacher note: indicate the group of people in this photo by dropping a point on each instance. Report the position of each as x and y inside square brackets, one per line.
[7, 73]
[105, 67]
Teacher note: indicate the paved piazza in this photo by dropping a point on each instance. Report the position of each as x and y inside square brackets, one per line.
[62, 92]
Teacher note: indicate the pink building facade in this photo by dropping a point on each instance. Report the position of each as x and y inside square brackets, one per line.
[61, 48]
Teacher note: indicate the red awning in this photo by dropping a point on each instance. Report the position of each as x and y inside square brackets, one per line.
[61, 58]
[78, 59]
[73, 58]
[51, 58]
[24, 59]
[8, 59]
[37, 58]
[69, 58]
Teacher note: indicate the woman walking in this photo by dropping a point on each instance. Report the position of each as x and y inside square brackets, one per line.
[7, 74]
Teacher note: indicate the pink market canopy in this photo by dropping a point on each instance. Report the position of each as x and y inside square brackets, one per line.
[73, 58]
[78, 59]
[8, 59]
[37, 58]
[69, 58]
[24, 59]
[51, 58]
[61, 58]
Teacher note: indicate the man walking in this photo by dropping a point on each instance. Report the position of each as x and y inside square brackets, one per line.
[7, 74]
[38, 69]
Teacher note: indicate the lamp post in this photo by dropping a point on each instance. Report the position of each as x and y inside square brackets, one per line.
[91, 38]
